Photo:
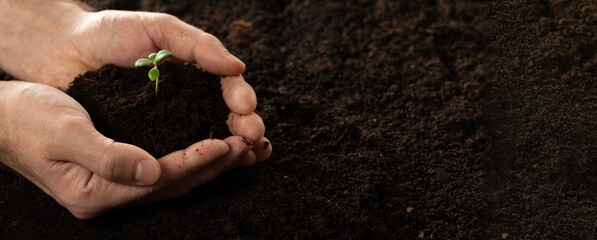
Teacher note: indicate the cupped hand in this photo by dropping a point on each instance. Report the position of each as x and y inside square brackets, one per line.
[54, 144]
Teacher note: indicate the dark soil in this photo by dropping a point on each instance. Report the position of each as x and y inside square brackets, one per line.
[542, 166]
[390, 120]
[123, 106]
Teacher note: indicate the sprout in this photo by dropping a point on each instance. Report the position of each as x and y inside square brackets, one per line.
[154, 58]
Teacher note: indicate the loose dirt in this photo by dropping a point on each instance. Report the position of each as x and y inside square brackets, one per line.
[389, 120]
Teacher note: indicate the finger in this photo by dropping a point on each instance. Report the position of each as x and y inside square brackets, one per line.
[190, 44]
[239, 146]
[246, 160]
[238, 94]
[113, 161]
[263, 149]
[179, 165]
[250, 126]
[176, 181]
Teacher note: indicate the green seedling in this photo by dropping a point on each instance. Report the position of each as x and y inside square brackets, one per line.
[154, 58]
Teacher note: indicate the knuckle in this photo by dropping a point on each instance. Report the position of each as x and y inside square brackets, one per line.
[108, 163]
[67, 123]
[164, 17]
[31, 93]
[208, 37]
[64, 126]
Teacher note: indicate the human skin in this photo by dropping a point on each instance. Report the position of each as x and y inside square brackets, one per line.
[48, 137]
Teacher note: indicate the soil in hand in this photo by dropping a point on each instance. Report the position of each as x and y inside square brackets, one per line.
[123, 106]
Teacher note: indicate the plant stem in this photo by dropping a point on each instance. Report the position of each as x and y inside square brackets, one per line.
[155, 64]
[157, 80]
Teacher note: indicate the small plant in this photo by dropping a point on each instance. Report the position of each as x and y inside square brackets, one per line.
[154, 58]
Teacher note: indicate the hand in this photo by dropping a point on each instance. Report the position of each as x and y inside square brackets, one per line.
[55, 41]
[53, 143]
[93, 174]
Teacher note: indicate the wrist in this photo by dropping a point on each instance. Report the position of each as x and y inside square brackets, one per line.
[4, 128]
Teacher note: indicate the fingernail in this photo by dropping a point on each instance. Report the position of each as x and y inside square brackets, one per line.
[147, 172]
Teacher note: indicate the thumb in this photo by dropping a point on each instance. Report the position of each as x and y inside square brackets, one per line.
[113, 161]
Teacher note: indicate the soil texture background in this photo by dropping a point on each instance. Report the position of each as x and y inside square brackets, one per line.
[430, 119]
[542, 163]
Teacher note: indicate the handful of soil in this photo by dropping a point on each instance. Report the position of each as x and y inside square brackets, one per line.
[188, 108]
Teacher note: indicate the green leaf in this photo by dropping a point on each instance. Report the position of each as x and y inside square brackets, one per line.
[162, 54]
[143, 62]
[152, 56]
[154, 74]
